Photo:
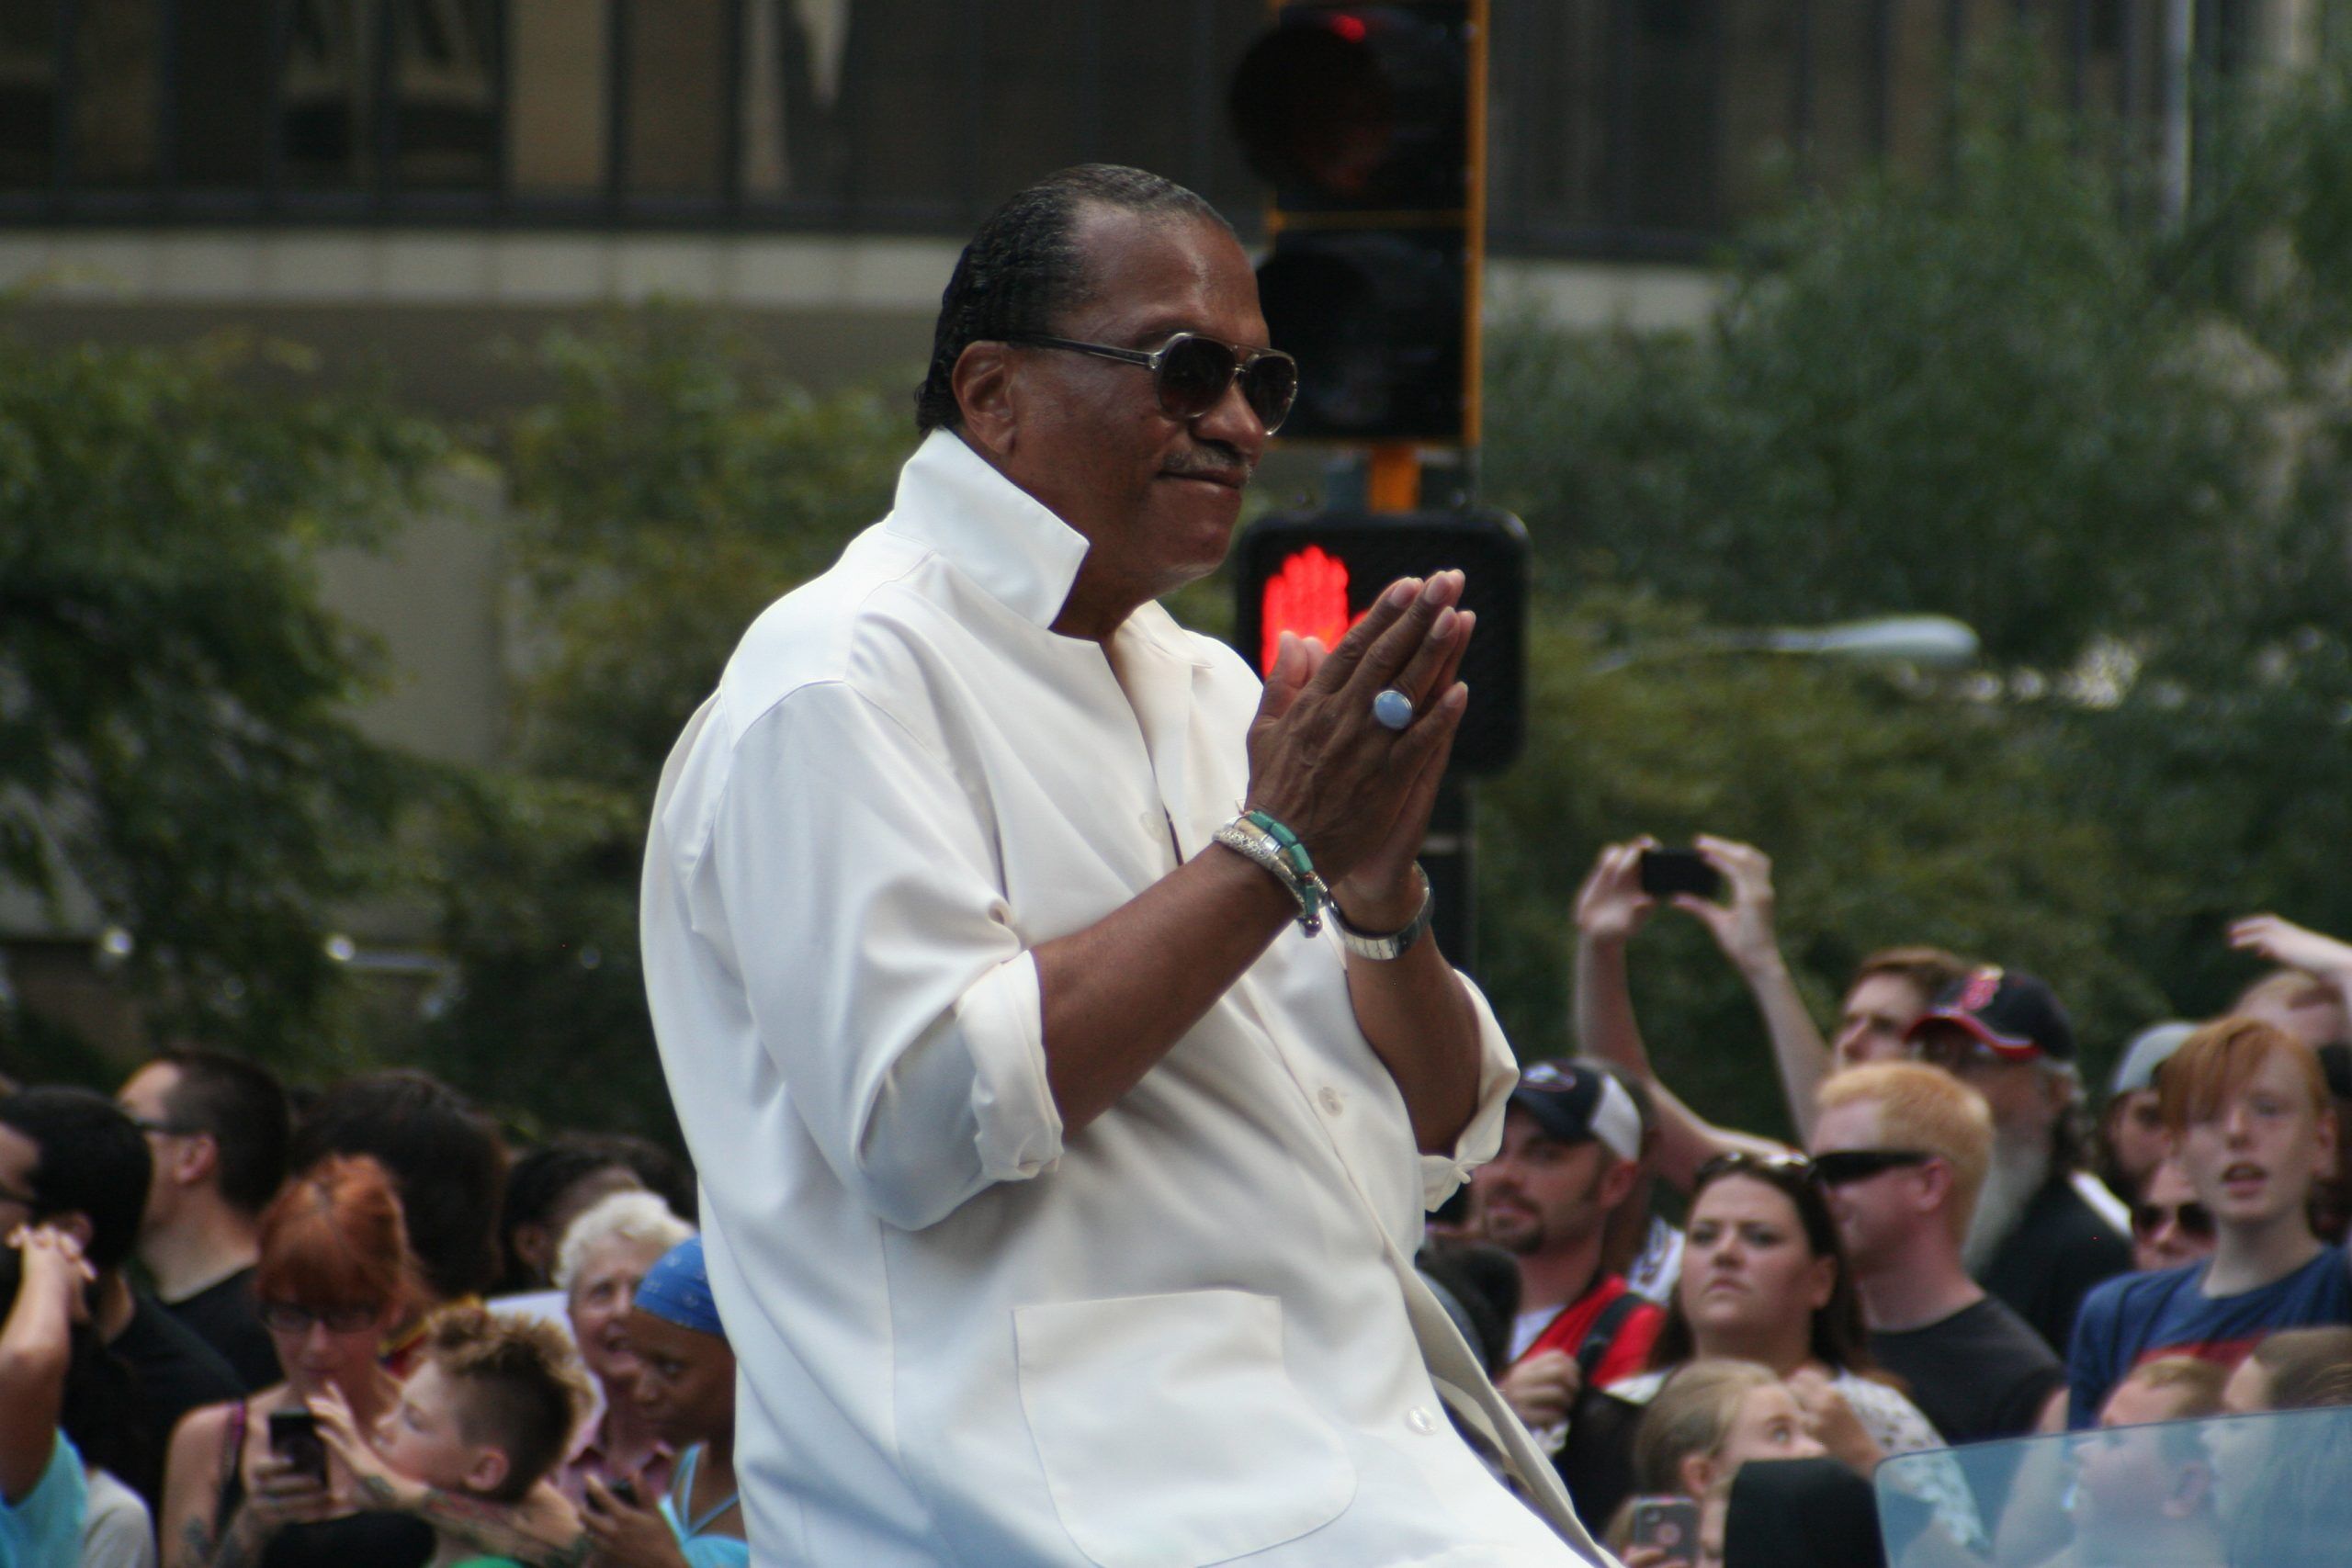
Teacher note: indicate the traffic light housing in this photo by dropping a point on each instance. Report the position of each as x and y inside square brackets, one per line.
[1316, 573]
[1366, 120]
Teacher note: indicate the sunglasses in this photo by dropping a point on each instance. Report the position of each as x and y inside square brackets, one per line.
[1739, 1162]
[1841, 1167]
[289, 1318]
[2195, 1219]
[1190, 374]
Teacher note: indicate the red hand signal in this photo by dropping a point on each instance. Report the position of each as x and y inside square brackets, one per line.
[1308, 597]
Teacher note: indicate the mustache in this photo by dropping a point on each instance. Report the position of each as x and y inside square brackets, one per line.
[1212, 460]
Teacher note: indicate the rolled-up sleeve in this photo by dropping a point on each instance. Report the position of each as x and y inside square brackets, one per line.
[1497, 1075]
[848, 874]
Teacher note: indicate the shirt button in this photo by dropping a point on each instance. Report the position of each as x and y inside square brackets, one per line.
[1329, 1100]
[1420, 1419]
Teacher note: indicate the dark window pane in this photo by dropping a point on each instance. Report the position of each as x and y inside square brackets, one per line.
[678, 77]
[27, 93]
[445, 92]
[326, 119]
[116, 67]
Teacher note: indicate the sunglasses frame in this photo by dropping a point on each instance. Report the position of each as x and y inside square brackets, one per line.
[2177, 1215]
[1155, 360]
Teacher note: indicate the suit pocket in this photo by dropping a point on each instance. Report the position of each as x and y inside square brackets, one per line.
[1170, 1434]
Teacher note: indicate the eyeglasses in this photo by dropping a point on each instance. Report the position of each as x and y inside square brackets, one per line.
[2195, 1219]
[1739, 1162]
[287, 1317]
[1841, 1167]
[1190, 373]
[165, 1129]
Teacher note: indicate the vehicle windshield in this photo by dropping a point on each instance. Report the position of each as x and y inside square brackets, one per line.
[2262, 1491]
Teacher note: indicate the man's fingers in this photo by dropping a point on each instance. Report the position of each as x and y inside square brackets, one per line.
[1384, 662]
[1430, 669]
[1385, 610]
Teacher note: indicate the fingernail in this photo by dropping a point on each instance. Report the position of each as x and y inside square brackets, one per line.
[1459, 697]
[1444, 625]
[1403, 594]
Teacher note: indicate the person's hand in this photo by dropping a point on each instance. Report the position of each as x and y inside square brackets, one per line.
[626, 1535]
[1611, 906]
[2291, 946]
[1832, 1421]
[1357, 794]
[1743, 927]
[283, 1494]
[1641, 1555]
[1542, 1388]
[363, 1471]
[54, 1268]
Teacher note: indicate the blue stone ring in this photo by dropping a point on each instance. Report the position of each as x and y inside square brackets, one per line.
[1392, 709]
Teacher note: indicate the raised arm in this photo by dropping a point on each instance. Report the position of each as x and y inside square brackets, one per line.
[35, 1344]
[1610, 908]
[2282, 942]
[1743, 929]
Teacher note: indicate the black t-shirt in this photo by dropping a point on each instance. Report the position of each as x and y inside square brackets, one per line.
[227, 1316]
[2061, 1246]
[172, 1372]
[1978, 1374]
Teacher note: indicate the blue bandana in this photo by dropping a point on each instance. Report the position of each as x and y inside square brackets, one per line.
[677, 1289]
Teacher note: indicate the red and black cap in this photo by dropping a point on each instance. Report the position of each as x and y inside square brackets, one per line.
[2008, 1011]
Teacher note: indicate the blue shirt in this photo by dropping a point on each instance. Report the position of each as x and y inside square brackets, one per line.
[44, 1528]
[2138, 1318]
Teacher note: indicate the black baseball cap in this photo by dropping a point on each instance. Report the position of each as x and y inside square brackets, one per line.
[1579, 1102]
[2008, 1011]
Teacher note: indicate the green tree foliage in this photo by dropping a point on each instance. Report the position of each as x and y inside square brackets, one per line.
[174, 702]
[670, 487]
[2118, 452]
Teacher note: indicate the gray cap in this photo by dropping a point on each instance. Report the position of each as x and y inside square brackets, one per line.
[2149, 1049]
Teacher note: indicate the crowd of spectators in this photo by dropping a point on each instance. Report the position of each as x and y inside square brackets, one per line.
[368, 1331]
[236, 1328]
[1960, 1248]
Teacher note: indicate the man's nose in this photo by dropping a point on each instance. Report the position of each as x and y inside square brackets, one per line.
[1233, 421]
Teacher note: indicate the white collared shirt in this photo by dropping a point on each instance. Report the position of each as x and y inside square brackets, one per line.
[1187, 1333]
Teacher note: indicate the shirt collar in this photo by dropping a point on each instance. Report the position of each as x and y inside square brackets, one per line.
[987, 527]
[1007, 541]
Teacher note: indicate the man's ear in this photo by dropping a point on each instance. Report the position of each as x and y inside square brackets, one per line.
[534, 1245]
[985, 389]
[1935, 1185]
[1618, 1185]
[196, 1157]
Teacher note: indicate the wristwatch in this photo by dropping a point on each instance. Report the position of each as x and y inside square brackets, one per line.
[1393, 944]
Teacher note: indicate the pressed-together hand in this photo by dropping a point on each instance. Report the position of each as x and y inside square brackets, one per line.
[54, 1268]
[1611, 906]
[1356, 793]
[1542, 1388]
[1743, 927]
[2291, 946]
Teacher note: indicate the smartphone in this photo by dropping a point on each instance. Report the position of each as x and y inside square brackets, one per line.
[1670, 1523]
[294, 1437]
[1668, 871]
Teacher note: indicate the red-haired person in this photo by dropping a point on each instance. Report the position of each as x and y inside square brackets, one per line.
[334, 1278]
[2255, 1129]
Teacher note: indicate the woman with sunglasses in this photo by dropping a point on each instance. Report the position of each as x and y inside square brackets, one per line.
[2169, 1226]
[334, 1276]
[1763, 1280]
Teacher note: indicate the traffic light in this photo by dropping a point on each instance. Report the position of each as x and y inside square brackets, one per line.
[1366, 120]
[1316, 573]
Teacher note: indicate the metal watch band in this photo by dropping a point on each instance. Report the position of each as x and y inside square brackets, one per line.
[1396, 943]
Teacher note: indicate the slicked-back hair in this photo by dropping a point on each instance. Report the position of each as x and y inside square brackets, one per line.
[1023, 272]
[94, 1162]
[242, 1106]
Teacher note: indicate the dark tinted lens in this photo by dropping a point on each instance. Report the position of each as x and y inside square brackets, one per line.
[1193, 374]
[1271, 385]
[2194, 1219]
[1838, 1169]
